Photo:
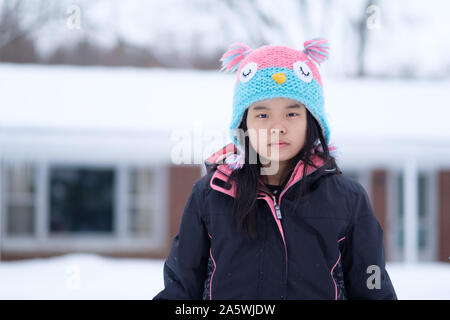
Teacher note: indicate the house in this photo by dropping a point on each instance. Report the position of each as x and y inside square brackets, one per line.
[103, 159]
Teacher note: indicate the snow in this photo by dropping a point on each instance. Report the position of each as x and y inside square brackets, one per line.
[107, 113]
[80, 276]
[389, 109]
[133, 99]
[119, 112]
[89, 276]
[65, 97]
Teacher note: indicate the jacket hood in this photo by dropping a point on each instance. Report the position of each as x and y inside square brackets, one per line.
[223, 171]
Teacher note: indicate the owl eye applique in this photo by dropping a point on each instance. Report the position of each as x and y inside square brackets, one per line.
[302, 71]
[248, 71]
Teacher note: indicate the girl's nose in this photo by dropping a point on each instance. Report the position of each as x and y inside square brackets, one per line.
[274, 131]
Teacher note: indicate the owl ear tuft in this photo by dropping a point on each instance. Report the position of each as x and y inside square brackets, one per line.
[317, 49]
[232, 58]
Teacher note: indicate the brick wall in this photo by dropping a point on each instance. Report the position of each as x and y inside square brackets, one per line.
[444, 216]
[181, 181]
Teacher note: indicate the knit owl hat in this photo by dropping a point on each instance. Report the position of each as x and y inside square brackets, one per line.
[275, 71]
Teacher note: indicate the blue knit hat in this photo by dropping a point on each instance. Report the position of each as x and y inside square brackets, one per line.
[277, 71]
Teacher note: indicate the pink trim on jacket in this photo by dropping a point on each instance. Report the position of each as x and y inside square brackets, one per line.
[212, 275]
[219, 156]
[335, 286]
[272, 208]
[223, 171]
[297, 174]
[270, 201]
[221, 176]
[331, 273]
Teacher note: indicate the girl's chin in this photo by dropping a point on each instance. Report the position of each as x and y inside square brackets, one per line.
[278, 154]
[281, 158]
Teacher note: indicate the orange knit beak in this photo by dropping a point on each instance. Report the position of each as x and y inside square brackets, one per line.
[279, 77]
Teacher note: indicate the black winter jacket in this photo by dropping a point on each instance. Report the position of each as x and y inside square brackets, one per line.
[331, 247]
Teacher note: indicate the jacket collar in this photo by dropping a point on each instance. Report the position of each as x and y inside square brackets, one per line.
[219, 179]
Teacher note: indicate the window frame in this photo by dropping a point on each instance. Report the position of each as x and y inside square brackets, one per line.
[396, 221]
[120, 239]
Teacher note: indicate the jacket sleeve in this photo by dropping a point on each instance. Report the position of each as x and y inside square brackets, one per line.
[363, 254]
[186, 266]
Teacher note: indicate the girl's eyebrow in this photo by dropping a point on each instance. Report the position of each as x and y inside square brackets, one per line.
[293, 106]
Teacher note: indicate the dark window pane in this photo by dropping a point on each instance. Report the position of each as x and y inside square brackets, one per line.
[141, 181]
[140, 201]
[400, 196]
[20, 220]
[422, 210]
[81, 200]
[423, 214]
[422, 186]
[19, 178]
[144, 201]
[141, 222]
[422, 237]
[19, 198]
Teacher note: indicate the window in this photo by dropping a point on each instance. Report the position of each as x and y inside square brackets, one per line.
[423, 213]
[400, 209]
[141, 201]
[81, 200]
[20, 199]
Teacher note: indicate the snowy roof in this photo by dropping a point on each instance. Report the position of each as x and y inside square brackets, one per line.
[95, 98]
[113, 108]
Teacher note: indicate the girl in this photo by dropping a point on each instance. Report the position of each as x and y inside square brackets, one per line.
[274, 218]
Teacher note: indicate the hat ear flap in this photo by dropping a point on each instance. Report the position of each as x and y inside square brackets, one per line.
[232, 58]
[317, 49]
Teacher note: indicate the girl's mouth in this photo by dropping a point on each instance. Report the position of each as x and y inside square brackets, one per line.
[279, 145]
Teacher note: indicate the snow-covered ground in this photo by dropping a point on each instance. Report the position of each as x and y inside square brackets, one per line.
[88, 276]
[80, 276]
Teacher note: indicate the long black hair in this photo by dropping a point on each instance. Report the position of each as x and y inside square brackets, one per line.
[247, 178]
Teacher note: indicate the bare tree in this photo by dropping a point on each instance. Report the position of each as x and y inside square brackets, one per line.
[256, 21]
[362, 32]
[12, 17]
[19, 20]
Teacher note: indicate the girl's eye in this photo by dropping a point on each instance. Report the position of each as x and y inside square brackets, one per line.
[264, 116]
[302, 71]
[248, 71]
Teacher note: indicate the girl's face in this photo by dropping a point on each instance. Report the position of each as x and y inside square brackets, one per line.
[277, 128]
